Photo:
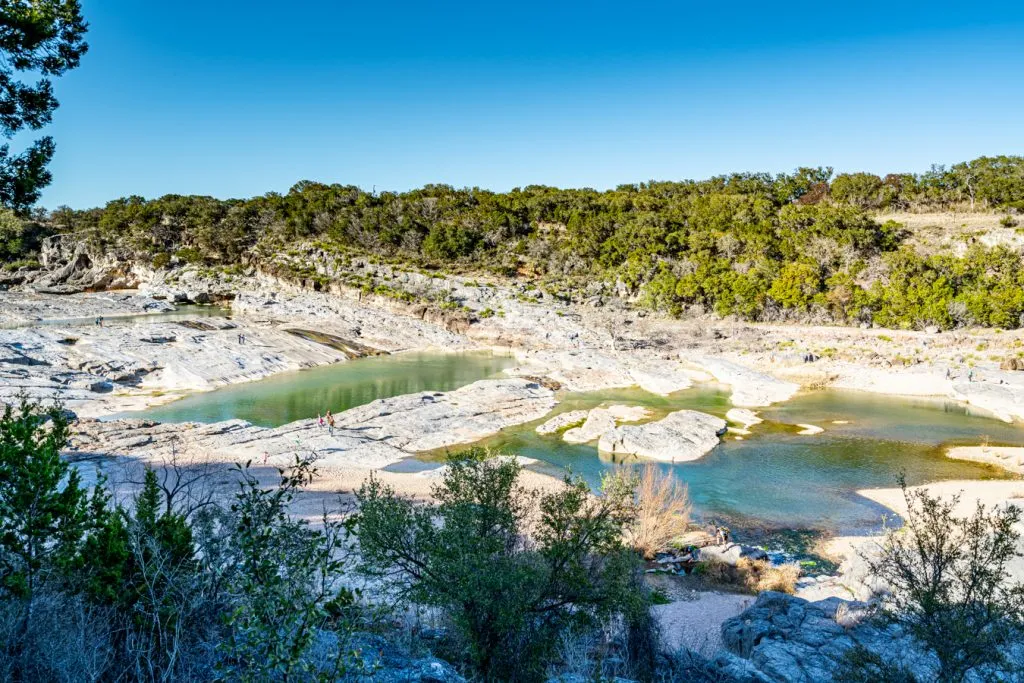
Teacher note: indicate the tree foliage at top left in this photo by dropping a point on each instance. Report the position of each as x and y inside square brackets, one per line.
[39, 40]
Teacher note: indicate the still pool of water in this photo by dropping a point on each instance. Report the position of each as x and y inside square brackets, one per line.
[776, 478]
[297, 395]
[772, 478]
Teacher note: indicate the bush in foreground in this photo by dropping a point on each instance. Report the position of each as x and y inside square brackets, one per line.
[512, 568]
[166, 587]
[949, 584]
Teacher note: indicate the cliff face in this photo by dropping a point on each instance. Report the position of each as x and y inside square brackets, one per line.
[72, 264]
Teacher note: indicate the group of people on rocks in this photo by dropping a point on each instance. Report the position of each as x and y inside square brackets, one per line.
[327, 419]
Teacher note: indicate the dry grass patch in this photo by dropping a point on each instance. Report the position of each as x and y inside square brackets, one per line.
[663, 511]
[762, 575]
[754, 576]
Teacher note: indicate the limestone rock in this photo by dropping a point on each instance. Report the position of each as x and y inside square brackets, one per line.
[786, 638]
[680, 436]
[1012, 364]
[623, 413]
[743, 417]
[372, 436]
[562, 421]
[750, 389]
[599, 421]
[662, 378]
[730, 553]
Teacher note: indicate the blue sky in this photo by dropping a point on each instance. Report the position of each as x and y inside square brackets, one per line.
[235, 99]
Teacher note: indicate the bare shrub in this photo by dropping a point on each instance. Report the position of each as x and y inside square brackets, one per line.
[663, 511]
[755, 576]
[762, 575]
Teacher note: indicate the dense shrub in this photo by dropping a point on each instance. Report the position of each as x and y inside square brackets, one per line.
[173, 586]
[512, 568]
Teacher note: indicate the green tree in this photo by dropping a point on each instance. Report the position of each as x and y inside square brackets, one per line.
[38, 38]
[796, 285]
[43, 507]
[949, 583]
[282, 578]
[508, 593]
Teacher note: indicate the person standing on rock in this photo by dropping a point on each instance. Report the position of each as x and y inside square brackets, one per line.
[319, 420]
[330, 422]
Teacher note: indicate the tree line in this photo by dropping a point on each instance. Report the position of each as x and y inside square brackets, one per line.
[800, 246]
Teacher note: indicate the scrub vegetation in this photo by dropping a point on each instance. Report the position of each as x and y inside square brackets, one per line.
[806, 246]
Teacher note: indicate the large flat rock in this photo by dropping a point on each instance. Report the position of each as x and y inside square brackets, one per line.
[680, 436]
[750, 388]
[562, 421]
[369, 436]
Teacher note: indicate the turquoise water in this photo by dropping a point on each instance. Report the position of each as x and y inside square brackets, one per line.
[293, 396]
[776, 478]
[773, 478]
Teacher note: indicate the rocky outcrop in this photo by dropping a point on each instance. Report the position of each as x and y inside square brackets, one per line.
[680, 436]
[790, 639]
[71, 264]
[786, 639]
[562, 421]
[597, 423]
[1000, 393]
[386, 663]
[369, 436]
[1013, 364]
[601, 420]
[750, 389]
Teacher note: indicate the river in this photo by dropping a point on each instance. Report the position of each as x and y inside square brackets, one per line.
[773, 477]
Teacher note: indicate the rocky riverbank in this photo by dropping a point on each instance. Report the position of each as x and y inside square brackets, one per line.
[51, 349]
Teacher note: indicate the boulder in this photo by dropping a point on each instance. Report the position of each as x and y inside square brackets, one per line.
[730, 553]
[680, 436]
[789, 639]
[1012, 364]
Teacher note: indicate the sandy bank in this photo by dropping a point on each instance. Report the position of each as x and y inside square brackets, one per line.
[854, 579]
[1010, 458]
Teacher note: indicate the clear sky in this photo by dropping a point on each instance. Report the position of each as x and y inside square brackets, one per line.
[235, 99]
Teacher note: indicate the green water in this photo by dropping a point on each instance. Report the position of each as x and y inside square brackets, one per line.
[182, 312]
[776, 478]
[773, 478]
[294, 396]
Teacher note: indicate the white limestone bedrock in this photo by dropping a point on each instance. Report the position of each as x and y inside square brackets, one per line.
[999, 392]
[600, 420]
[592, 370]
[369, 436]
[750, 388]
[680, 436]
[563, 421]
[743, 417]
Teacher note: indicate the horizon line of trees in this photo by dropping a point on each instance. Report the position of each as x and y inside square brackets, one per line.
[799, 246]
